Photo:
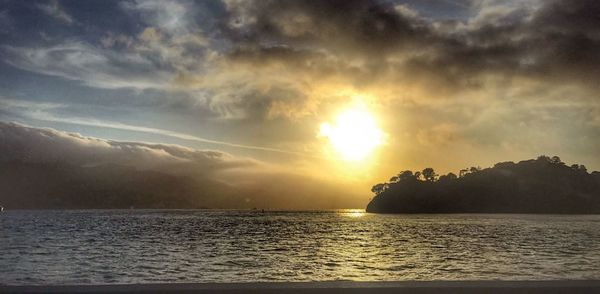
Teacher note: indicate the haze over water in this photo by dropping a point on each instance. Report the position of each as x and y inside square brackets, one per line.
[150, 246]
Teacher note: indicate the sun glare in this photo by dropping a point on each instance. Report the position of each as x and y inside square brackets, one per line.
[353, 213]
[354, 133]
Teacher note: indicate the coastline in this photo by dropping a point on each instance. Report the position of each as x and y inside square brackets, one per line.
[424, 287]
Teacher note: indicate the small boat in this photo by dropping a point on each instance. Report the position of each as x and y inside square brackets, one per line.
[1, 208]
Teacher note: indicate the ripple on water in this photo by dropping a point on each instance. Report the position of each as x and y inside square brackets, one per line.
[124, 246]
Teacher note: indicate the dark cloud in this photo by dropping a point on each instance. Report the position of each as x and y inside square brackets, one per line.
[362, 26]
[559, 40]
[382, 43]
[566, 36]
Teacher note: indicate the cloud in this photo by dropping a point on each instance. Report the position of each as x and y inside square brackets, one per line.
[6, 22]
[173, 17]
[240, 178]
[170, 45]
[53, 8]
[92, 66]
[312, 50]
[363, 44]
[351, 30]
[20, 142]
[44, 112]
[390, 45]
[437, 136]
[172, 134]
[269, 71]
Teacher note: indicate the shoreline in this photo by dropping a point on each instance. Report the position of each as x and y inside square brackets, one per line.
[294, 211]
[423, 287]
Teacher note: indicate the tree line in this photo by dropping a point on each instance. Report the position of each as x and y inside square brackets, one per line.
[542, 185]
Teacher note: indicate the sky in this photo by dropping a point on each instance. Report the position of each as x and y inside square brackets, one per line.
[446, 84]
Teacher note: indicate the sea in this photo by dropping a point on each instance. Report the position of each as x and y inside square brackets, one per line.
[52, 247]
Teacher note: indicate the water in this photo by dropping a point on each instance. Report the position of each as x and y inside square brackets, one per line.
[123, 246]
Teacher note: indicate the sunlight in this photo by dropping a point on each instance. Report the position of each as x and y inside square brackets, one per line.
[354, 133]
[353, 213]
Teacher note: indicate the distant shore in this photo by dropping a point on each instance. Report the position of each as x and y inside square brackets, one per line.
[545, 185]
[423, 287]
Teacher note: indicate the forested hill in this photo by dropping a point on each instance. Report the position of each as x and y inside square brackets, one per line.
[542, 185]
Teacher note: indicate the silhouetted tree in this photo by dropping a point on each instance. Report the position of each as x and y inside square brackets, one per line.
[505, 165]
[429, 174]
[418, 175]
[378, 188]
[451, 176]
[463, 172]
[405, 175]
[556, 160]
[542, 185]
[448, 177]
[544, 158]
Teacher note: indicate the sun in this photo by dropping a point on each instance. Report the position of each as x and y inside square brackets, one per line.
[353, 134]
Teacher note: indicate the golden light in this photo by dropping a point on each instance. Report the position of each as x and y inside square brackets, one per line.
[353, 213]
[354, 133]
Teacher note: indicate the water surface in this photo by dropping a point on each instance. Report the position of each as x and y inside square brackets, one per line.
[150, 246]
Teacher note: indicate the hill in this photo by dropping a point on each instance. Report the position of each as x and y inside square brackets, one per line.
[542, 185]
[61, 185]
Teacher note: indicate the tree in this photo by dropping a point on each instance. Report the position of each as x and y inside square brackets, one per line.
[448, 177]
[556, 160]
[529, 186]
[405, 175]
[429, 174]
[451, 176]
[544, 158]
[378, 189]
[417, 175]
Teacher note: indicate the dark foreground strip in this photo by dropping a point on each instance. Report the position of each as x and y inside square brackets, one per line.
[491, 287]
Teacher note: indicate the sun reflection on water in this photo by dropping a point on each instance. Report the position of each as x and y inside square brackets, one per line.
[354, 213]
